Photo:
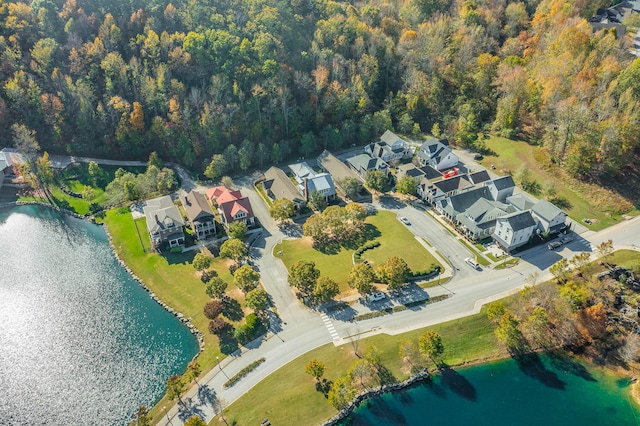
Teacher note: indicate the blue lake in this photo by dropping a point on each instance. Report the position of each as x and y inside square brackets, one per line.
[80, 341]
[542, 390]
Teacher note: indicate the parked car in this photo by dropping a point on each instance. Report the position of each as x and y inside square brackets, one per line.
[566, 239]
[477, 156]
[377, 296]
[554, 245]
[404, 220]
[471, 262]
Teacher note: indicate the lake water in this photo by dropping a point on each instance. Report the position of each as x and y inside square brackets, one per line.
[80, 341]
[543, 390]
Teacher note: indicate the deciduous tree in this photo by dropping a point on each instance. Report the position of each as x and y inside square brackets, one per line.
[361, 278]
[246, 278]
[315, 368]
[303, 275]
[201, 261]
[430, 345]
[257, 299]
[237, 230]
[325, 289]
[234, 249]
[394, 272]
[282, 209]
[216, 288]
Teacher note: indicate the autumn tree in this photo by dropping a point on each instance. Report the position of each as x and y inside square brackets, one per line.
[304, 275]
[605, 249]
[246, 278]
[325, 289]
[430, 345]
[560, 270]
[394, 272]
[341, 393]
[508, 331]
[315, 368]
[235, 250]
[216, 287]
[361, 277]
[282, 209]
[213, 308]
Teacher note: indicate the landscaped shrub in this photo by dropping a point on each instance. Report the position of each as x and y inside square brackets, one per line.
[247, 331]
[248, 369]
[367, 246]
[217, 326]
[434, 269]
[213, 308]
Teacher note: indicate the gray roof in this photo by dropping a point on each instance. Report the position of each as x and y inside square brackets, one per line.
[520, 202]
[452, 184]
[4, 164]
[337, 168]
[391, 138]
[430, 172]
[321, 182]
[197, 208]
[410, 170]
[278, 185]
[365, 162]
[433, 149]
[458, 203]
[501, 183]
[479, 177]
[546, 210]
[302, 170]
[161, 213]
[520, 220]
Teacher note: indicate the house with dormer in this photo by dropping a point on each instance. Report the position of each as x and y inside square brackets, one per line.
[307, 181]
[390, 147]
[200, 215]
[430, 191]
[232, 206]
[551, 220]
[437, 154]
[277, 185]
[364, 163]
[338, 170]
[164, 222]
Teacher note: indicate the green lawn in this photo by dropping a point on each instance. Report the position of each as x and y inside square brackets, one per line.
[395, 240]
[170, 276]
[578, 199]
[288, 396]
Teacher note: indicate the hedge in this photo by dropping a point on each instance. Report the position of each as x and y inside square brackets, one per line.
[248, 369]
[367, 246]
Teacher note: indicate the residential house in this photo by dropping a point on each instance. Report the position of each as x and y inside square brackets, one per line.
[479, 177]
[307, 181]
[238, 210]
[277, 185]
[479, 220]
[200, 215]
[452, 206]
[550, 218]
[520, 201]
[363, 163]
[437, 154]
[514, 230]
[501, 187]
[164, 222]
[232, 206]
[432, 191]
[391, 147]
[409, 170]
[338, 170]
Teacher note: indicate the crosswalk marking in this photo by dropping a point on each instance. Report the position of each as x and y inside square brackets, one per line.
[330, 328]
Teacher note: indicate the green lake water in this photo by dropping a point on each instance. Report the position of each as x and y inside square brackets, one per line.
[541, 390]
[81, 343]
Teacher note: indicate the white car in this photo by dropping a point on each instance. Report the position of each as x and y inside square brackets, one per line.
[377, 296]
[404, 220]
[472, 263]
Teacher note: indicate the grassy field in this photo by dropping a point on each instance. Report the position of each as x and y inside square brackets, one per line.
[580, 200]
[288, 396]
[395, 240]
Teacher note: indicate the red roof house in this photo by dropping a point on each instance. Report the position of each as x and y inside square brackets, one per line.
[236, 211]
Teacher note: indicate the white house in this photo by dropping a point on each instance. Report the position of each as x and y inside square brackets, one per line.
[514, 230]
[437, 154]
[390, 147]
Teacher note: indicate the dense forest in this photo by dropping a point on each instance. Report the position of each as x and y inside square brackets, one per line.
[242, 83]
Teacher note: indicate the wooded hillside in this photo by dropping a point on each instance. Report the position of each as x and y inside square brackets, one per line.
[242, 83]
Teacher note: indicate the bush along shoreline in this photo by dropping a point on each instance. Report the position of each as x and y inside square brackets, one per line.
[363, 396]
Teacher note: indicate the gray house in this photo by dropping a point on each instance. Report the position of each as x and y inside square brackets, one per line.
[277, 185]
[363, 163]
[437, 154]
[200, 214]
[338, 170]
[164, 222]
[550, 218]
[390, 147]
[432, 191]
[501, 187]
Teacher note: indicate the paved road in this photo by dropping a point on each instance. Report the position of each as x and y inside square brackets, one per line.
[303, 329]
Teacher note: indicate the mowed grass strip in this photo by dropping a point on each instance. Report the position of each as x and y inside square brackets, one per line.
[395, 240]
[289, 396]
[583, 200]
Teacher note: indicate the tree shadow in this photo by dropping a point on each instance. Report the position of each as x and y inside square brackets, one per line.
[562, 361]
[532, 366]
[232, 309]
[457, 383]
[324, 386]
[228, 343]
[385, 375]
[188, 408]
[561, 203]
[384, 413]
[206, 395]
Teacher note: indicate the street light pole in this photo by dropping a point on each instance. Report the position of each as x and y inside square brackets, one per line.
[167, 414]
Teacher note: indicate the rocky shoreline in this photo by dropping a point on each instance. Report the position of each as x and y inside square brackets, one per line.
[185, 320]
[363, 396]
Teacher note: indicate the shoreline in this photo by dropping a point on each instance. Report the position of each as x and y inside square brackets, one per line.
[180, 316]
